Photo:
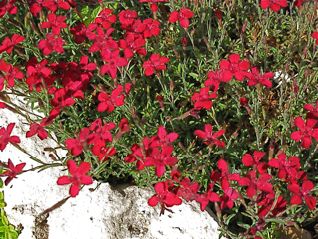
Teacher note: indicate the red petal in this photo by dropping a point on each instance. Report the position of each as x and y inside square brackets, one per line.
[159, 187]
[72, 167]
[311, 202]
[74, 190]
[296, 136]
[153, 201]
[299, 122]
[222, 165]
[295, 200]
[63, 180]
[84, 167]
[86, 180]
[307, 186]
[247, 160]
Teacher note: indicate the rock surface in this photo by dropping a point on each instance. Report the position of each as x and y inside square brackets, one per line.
[103, 213]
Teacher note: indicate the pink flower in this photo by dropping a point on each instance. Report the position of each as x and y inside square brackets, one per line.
[12, 171]
[38, 129]
[315, 36]
[8, 44]
[164, 196]
[155, 63]
[77, 176]
[55, 22]
[254, 161]
[160, 159]
[274, 5]
[5, 137]
[287, 167]
[306, 132]
[50, 44]
[254, 78]
[209, 137]
[300, 193]
[234, 66]
[203, 99]
[182, 16]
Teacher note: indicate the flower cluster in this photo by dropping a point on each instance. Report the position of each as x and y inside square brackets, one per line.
[153, 85]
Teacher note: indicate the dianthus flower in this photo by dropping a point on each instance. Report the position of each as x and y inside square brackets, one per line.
[77, 176]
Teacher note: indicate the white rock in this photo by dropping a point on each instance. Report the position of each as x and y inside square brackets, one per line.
[105, 213]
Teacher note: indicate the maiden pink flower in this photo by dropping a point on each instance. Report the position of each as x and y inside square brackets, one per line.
[8, 44]
[5, 137]
[306, 132]
[12, 171]
[164, 196]
[78, 176]
[155, 63]
[302, 193]
[182, 16]
[209, 137]
[274, 5]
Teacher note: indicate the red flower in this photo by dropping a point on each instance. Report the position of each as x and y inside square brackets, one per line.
[10, 73]
[127, 18]
[112, 63]
[124, 126]
[38, 129]
[5, 137]
[3, 105]
[152, 28]
[302, 193]
[275, 5]
[287, 167]
[202, 99]
[313, 110]
[163, 138]
[182, 16]
[77, 178]
[225, 176]
[51, 43]
[315, 36]
[160, 158]
[155, 63]
[100, 133]
[254, 161]
[102, 152]
[105, 18]
[209, 137]
[7, 6]
[207, 197]
[76, 145]
[235, 67]
[188, 190]
[133, 43]
[38, 74]
[12, 171]
[306, 132]
[110, 102]
[269, 204]
[215, 78]
[55, 22]
[8, 44]
[153, 4]
[254, 78]
[164, 196]
[228, 198]
[255, 184]
[79, 32]
[53, 5]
